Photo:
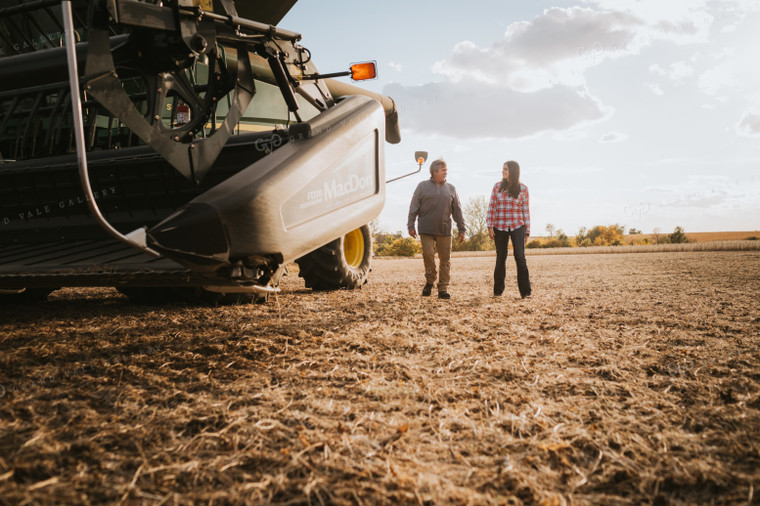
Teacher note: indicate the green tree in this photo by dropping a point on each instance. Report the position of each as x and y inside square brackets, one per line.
[402, 247]
[475, 213]
[677, 236]
[658, 238]
[581, 238]
[383, 242]
[560, 241]
[600, 235]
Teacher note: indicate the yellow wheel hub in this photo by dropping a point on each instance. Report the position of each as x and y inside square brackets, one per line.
[353, 248]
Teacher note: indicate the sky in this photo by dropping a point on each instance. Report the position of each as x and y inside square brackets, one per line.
[641, 113]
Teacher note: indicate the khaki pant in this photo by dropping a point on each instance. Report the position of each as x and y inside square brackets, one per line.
[442, 244]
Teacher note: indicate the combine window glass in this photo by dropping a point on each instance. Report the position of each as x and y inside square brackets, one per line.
[268, 108]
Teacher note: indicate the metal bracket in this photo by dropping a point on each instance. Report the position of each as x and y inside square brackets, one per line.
[192, 158]
[420, 157]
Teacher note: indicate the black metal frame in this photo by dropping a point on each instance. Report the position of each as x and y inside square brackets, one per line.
[164, 42]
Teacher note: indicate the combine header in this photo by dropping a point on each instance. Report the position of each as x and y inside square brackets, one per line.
[180, 149]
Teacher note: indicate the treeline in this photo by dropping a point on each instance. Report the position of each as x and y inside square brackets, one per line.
[611, 235]
[399, 246]
[475, 213]
[600, 235]
[396, 245]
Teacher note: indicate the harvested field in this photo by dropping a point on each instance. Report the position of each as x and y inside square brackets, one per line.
[625, 379]
[627, 249]
[704, 236]
[692, 236]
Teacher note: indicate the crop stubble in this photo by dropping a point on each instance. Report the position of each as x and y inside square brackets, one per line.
[626, 379]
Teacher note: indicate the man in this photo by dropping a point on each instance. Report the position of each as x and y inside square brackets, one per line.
[434, 202]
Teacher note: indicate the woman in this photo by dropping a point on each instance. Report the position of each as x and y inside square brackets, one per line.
[509, 217]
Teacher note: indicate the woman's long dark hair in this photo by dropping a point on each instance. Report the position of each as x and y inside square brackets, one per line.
[513, 186]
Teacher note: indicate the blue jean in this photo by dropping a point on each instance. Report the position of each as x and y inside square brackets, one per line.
[501, 238]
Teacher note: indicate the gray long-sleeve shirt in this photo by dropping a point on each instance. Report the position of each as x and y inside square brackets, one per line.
[434, 206]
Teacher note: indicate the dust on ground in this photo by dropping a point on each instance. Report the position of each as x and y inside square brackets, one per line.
[625, 379]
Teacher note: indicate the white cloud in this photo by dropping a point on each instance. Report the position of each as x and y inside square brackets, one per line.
[734, 12]
[612, 137]
[700, 192]
[749, 125]
[528, 83]
[677, 72]
[482, 110]
[717, 78]
[396, 66]
[572, 135]
[754, 97]
[658, 70]
[679, 22]
[555, 48]
[565, 170]
[656, 89]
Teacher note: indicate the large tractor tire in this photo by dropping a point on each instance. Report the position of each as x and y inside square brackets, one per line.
[342, 263]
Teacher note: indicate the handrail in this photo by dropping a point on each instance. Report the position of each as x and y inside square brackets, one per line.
[136, 238]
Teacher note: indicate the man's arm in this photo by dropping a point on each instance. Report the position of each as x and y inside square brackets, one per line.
[414, 211]
[456, 212]
[490, 213]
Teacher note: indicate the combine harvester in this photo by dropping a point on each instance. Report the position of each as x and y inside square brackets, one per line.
[205, 154]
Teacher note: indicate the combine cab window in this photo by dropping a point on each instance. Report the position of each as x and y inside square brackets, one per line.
[268, 108]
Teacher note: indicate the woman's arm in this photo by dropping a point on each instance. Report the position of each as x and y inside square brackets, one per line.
[526, 212]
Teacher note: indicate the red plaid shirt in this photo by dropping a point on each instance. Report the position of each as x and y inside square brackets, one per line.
[507, 213]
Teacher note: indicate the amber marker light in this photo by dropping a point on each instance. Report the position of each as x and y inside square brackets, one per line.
[420, 160]
[363, 71]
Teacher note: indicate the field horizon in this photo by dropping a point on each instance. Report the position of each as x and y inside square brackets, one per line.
[735, 235]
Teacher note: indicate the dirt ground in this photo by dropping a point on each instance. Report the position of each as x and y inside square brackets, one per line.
[625, 379]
